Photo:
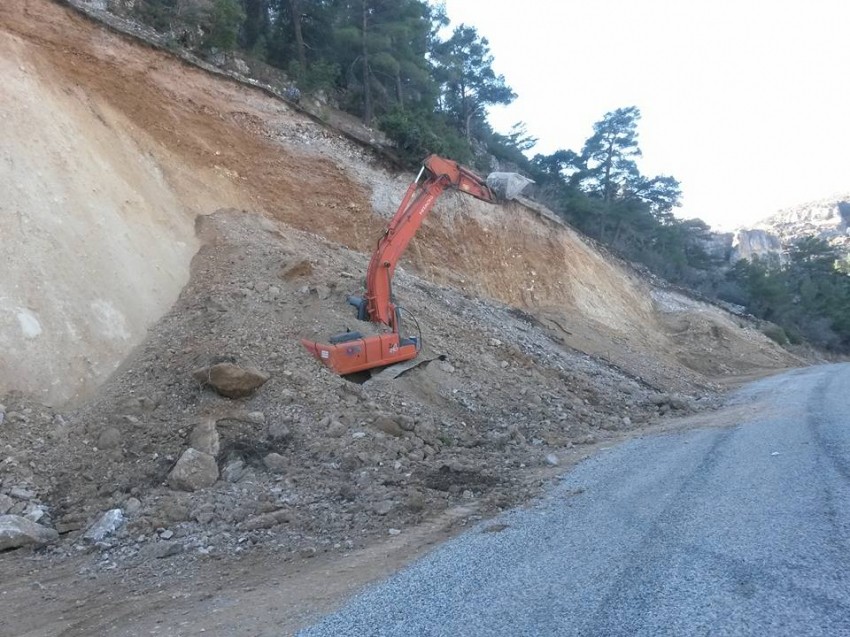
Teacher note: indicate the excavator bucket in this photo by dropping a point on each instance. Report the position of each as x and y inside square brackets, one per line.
[507, 186]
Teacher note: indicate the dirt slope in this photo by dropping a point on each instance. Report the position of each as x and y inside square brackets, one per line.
[114, 148]
[160, 218]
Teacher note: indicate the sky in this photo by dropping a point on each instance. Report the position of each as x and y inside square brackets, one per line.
[746, 103]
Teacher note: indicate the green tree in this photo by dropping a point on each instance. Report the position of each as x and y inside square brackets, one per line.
[302, 41]
[224, 20]
[384, 44]
[256, 24]
[661, 194]
[609, 155]
[464, 69]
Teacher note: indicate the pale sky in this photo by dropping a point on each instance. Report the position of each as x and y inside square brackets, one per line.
[746, 103]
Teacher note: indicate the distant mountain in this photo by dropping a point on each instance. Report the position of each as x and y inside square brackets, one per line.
[827, 219]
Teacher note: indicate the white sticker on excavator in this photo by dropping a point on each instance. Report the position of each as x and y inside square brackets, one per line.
[325, 354]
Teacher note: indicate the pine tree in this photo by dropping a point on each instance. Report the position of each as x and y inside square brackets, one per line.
[464, 69]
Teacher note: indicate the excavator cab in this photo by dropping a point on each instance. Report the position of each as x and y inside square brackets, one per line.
[351, 352]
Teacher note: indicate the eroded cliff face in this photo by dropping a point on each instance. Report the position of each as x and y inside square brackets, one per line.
[747, 244]
[96, 243]
[113, 149]
[827, 219]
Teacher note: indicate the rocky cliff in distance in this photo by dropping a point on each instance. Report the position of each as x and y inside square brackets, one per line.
[827, 219]
[755, 242]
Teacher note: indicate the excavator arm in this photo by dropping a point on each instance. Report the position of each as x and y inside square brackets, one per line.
[436, 176]
[352, 352]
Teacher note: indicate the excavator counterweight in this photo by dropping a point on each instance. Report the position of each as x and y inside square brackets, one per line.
[352, 352]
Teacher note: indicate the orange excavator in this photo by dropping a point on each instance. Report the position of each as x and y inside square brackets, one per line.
[352, 352]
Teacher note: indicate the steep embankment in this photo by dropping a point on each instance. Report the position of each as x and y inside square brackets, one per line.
[112, 148]
[109, 152]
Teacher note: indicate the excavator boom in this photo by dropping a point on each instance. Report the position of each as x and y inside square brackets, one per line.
[439, 174]
[352, 352]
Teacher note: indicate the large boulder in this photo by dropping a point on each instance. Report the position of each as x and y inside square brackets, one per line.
[16, 531]
[194, 470]
[231, 380]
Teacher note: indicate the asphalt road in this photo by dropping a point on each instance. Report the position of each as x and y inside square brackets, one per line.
[742, 529]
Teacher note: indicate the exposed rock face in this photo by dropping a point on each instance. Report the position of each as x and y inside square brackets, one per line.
[719, 245]
[828, 219]
[747, 244]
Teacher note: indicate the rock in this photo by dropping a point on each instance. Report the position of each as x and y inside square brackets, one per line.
[204, 515]
[71, 522]
[336, 429]
[35, 513]
[132, 506]
[233, 470]
[22, 493]
[275, 463]
[256, 417]
[231, 380]
[495, 342]
[204, 437]
[108, 523]
[167, 534]
[394, 532]
[426, 431]
[552, 460]
[279, 430]
[406, 422]
[416, 455]
[6, 503]
[627, 422]
[194, 470]
[160, 550]
[383, 507]
[388, 425]
[265, 520]
[109, 438]
[16, 531]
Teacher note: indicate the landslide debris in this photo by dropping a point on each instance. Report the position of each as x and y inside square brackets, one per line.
[309, 461]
